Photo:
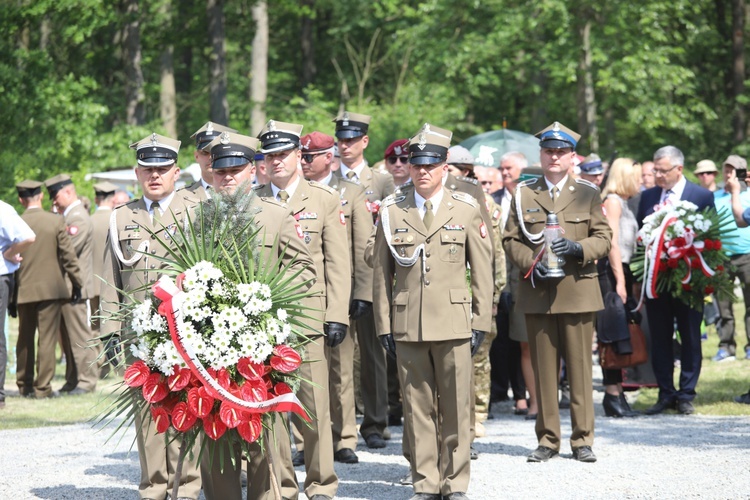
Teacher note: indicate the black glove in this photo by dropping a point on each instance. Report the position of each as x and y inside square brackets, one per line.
[336, 333]
[75, 297]
[12, 310]
[389, 345]
[540, 271]
[506, 302]
[13, 298]
[563, 246]
[359, 308]
[477, 337]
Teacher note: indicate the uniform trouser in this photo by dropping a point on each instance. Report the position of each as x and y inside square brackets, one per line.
[726, 324]
[80, 352]
[394, 389]
[321, 477]
[158, 456]
[44, 316]
[6, 282]
[373, 378]
[552, 336]
[439, 440]
[341, 395]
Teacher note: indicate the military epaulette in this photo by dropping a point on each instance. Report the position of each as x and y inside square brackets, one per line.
[465, 197]
[404, 188]
[468, 180]
[344, 180]
[271, 200]
[392, 199]
[128, 204]
[257, 187]
[587, 183]
[324, 187]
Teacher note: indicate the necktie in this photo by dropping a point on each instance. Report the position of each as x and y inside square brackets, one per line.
[428, 215]
[283, 196]
[554, 192]
[351, 174]
[667, 194]
[156, 213]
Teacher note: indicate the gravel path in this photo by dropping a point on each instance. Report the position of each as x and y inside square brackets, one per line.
[666, 456]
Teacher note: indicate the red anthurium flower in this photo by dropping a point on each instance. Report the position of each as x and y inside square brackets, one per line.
[679, 242]
[719, 268]
[200, 402]
[709, 290]
[695, 264]
[213, 427]
[250, 428]
[229, 415]
[285, 359]
[160, 418]
[686, 287]
[170, 401]
[717, 244]
[254, 390]
[282, 388]
[223, 378]
[182, 418]
[136, 374]
[251, 370]
[179, 379]
[155, 388]
[708, 244]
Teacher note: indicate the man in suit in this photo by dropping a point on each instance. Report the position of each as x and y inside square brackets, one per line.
[559, 312]
[317, 208]
[428, 318]
[317, 156]
[81, 351]
[42, 290]
[351, 132]
[131, 263]
[203, 137]
[671, 185]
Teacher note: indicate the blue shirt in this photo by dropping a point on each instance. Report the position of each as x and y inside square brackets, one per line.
[12, 230]
[746, 216]
[738, 239]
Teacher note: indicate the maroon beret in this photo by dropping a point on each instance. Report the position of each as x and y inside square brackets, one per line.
[315, 141]
[398, 147]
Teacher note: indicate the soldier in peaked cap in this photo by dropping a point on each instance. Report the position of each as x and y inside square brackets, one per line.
[559, 312]
[592, 169]
[81, 373]
[427, 317]
[203, 137]
[317, 209]
[131, 262]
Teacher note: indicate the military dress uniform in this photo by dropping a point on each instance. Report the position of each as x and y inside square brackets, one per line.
[421, 298]
[42, 290]
[131, 263]
[203, 137]
[560, 311]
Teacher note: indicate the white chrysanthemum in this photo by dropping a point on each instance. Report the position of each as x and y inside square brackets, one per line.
[282, 314]
[206, 271]
[140, 350]
[165, 357]
[189, 280]
[253, 307]
[219, 289]
[202, 313]
[244, 292]
[221, 340]
[265, 291]
[283, 335]
[231, 357]
[266, 305]
[255, 287]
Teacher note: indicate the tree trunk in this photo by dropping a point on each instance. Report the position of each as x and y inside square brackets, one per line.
[586, 98]
[259, 68]
[168, 92]
[44, 32]
[219, 107]
[134, 93]
[739, 120]
[307, 44]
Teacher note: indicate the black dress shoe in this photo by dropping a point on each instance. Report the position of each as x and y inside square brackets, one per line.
[660, 407]
[76, 392]
[426, 496]
[320, 497]
[298, 459]
[473, 453]
[375, 441]
[584, 454]
[685, 407]
[455, 496]
[542, 454]
[744, 399]
[346, 456]
[530, 416]
[613, 407]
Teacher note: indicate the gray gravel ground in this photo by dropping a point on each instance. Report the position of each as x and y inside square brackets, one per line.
[667, 456]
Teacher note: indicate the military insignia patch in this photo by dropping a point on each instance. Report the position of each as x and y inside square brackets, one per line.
[453, 227]
[299, 231]
[306, 216]
[72, 230]
[342, 218]
[133, 227]
[482, 230]
[344, 202]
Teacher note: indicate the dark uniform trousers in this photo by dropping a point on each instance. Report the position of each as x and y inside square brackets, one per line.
[341, 394]
[373, 378]
[45, 317]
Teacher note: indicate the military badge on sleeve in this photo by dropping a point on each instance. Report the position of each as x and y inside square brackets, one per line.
[72, 230]
[342, 219]
[482, 230]
[299, 231]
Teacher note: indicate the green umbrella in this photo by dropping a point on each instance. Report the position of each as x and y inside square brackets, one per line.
[488, 147]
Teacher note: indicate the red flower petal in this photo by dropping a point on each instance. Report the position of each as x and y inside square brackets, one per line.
[223, 378]
[285, 359]
[254, 390]
[155, 388]
[250, 429]
[251, 370]
[672, 263]
[229, 415]
[282, 388]
[179, 379]
[708, 245]
[709, 290]
[160, 418]
[182, 418]
[213, 427]
[717, 244]
[695, 264]
[200, 402]
[136, 374]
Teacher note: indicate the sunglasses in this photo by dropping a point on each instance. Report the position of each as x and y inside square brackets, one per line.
[308, 157]
[393, 159]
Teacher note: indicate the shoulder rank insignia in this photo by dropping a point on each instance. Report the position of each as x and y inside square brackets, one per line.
[587, 183]
[467, 179]
[466, 198]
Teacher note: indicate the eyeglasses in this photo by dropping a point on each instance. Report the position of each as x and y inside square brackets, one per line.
[485, 183]
[393, 159]
[308, 157]
[664, 172]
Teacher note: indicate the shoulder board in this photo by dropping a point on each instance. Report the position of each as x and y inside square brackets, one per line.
[468, 180]
[131, 202]
[256, 187]
[344, 180]
[527, 183]
[324, 187]
[466, 198]
[587, 183]
[393, 199]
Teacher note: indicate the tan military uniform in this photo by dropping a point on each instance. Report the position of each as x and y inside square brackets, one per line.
[560, 312]
[100, 225]
[197, 190]
[430, 311]
[317, 209]
[128, 270]
[41, 292]
[81, 352]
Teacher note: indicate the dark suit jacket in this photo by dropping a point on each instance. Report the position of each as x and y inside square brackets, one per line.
[692, 193]
[498, 196]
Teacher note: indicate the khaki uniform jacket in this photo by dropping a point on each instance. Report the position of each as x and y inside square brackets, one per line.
[100, 223]
[439, 305]
[46, 263]
[317, 210]
[472, 187]
[377, 186]
[359, 226]
[131, 221]
[196, 190]
[496, 216]
[81, 231]
[579, 211]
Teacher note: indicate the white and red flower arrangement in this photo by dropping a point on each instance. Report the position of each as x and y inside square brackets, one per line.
[680, 253]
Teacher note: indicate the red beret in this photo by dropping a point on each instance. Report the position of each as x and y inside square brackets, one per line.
[397, 148]
[315, 141]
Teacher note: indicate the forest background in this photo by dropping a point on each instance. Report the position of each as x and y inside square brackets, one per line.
[82, 79]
